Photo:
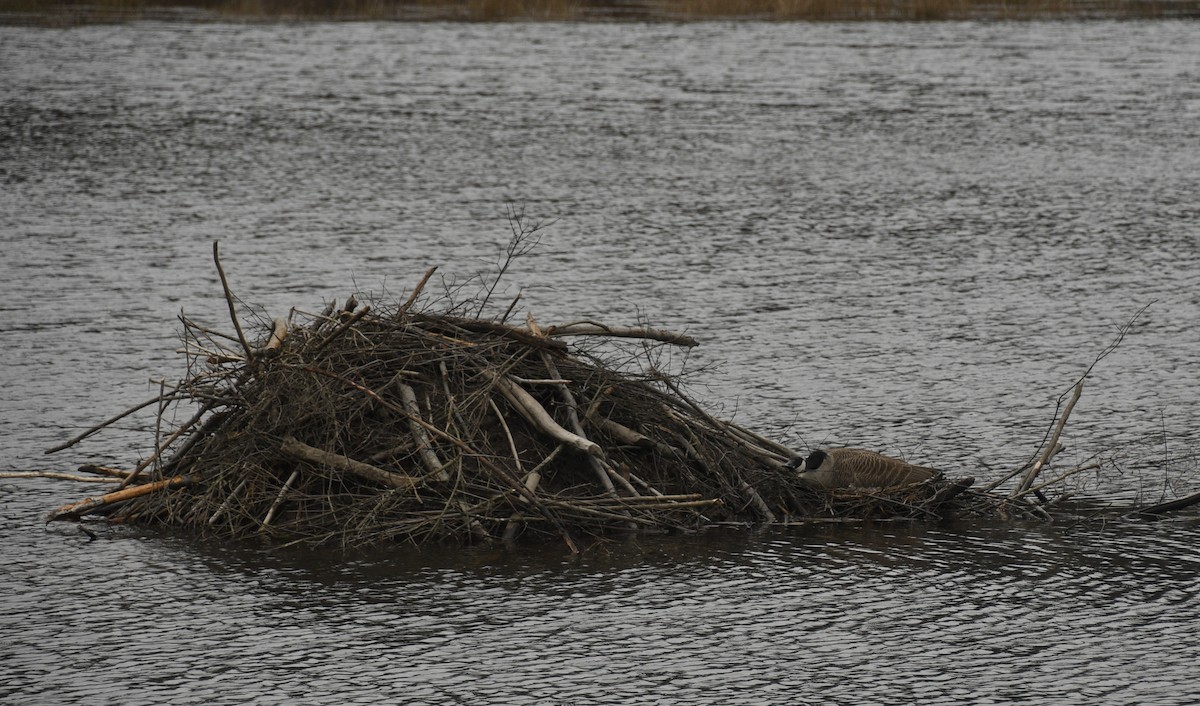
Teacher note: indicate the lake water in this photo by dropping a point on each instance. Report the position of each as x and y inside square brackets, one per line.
[912, 237]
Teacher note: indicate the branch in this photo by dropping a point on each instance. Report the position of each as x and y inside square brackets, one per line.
[229, 300]
[338, 462]
[591, 328]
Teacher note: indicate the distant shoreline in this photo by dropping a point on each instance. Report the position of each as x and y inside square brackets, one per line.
[72, 12]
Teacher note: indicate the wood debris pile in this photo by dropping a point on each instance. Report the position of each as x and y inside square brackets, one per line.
[371, 423]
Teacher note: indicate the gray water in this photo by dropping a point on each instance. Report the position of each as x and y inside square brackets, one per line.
[911, 237]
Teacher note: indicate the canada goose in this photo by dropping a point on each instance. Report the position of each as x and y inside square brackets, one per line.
[843, 468]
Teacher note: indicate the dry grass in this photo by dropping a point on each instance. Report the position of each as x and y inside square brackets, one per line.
[919, 10]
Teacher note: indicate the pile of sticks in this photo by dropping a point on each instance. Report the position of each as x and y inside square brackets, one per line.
[367, 423]
[363, 423]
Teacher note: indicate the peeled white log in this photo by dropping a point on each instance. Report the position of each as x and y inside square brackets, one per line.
[537, 415]
[590, 328]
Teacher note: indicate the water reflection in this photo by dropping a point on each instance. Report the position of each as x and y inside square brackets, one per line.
[835, 614]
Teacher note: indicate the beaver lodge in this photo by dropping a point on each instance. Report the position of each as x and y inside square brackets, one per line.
[369, 423]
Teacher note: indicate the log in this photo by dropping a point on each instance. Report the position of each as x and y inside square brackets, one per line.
[319, 457]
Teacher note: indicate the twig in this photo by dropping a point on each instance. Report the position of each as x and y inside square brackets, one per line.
[111, 420]
[56, 476]
[137, 471]
[237, 326]
[1059, 479]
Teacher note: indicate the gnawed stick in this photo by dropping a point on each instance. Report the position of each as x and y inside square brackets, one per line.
[532, 479]
[591, 328]
[279, 500]
[600, 466]
[279, 329]
[87, 505]
[624, 435]
[757, 501]
[618, 478]
[416, 292]
[228, 501]
[320, 457]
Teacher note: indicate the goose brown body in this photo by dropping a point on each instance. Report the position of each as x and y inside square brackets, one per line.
[844, 468]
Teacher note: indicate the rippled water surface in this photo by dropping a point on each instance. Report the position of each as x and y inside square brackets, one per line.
[911, 237]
